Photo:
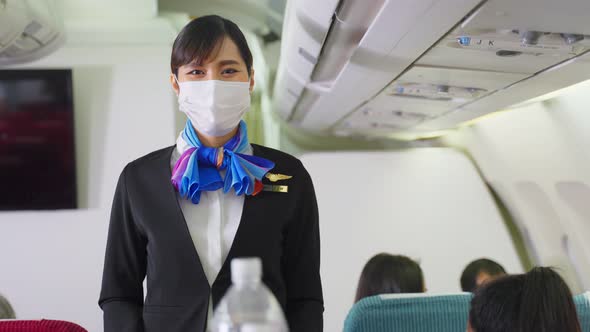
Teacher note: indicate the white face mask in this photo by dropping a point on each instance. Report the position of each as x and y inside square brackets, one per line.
[215, 108]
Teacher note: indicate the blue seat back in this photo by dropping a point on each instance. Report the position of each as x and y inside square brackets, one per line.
[422, 313]
[582, 302]
[410, 313]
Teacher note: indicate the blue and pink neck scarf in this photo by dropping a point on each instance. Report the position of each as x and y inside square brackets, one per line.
[198, 168]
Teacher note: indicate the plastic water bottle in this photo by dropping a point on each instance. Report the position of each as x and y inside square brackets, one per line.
[248, 305]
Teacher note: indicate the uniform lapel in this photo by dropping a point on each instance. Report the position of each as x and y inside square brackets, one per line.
[240, 246]
[178, 224]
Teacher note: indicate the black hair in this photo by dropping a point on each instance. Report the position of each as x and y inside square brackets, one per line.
[473, 269]
[386, 274]
[538, 301]
[202, 37]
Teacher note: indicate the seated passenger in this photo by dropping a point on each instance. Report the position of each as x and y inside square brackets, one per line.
[6, 311]
[387, 274]
[478, 272]
[538, 301]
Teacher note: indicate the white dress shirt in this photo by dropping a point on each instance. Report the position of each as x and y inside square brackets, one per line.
[212, 223]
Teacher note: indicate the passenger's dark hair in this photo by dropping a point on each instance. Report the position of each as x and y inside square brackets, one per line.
[386, 274]
[538, 301]
[473, 269]
[201, 37]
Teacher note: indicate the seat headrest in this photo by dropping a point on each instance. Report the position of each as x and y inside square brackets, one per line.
[410, 313]
[582, 302]
[43, 325]
[425, 312]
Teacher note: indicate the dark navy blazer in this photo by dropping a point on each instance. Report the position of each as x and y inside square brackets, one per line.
[149, 238]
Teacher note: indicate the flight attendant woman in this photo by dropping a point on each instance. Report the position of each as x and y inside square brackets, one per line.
[181, 214]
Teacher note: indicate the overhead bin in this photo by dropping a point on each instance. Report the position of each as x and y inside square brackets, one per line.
[391, 43]
[287, 91]
[349, 26]
[284, 103]
[306, 42]
[306, 25]
[451, 60]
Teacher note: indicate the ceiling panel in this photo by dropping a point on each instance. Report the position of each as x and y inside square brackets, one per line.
[126, 9]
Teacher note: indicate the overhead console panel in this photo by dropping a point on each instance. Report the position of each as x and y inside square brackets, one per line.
[432, 92]
[511, 51]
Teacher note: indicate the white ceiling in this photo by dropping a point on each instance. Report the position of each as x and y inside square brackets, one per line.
[258, 16]
[123, 9]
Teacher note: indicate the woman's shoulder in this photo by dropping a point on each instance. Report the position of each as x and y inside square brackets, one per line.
[284, 162]
[276, 156]
[153, 157]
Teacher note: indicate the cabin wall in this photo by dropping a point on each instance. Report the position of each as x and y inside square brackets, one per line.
[536, 158]
[427, 203]
[124, 108]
